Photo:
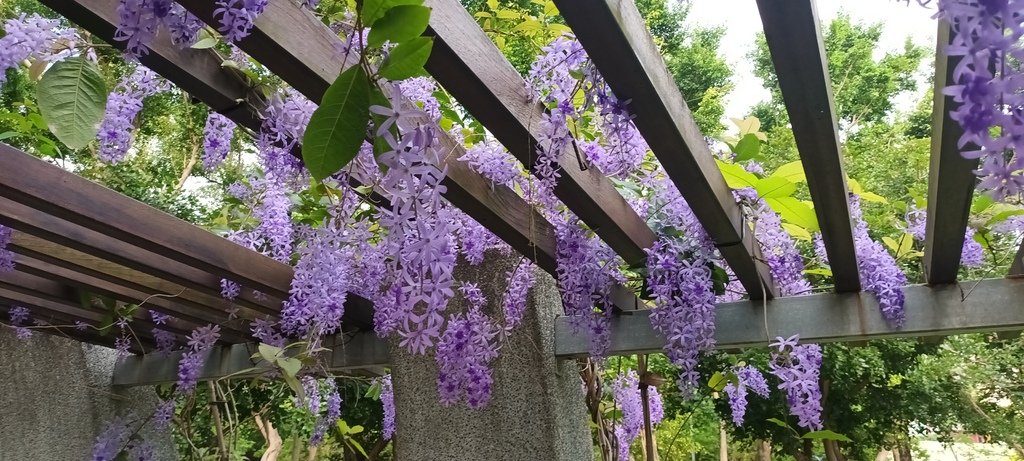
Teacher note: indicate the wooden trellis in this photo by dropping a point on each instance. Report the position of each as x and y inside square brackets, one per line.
[74, 237]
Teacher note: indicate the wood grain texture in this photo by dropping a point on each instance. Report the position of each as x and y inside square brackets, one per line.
[993, 305]
[618, 42]
[467, 64]
[951, 178]
[791, 28]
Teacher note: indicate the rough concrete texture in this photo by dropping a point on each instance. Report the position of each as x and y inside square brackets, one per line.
[55, 398]
[537, 409]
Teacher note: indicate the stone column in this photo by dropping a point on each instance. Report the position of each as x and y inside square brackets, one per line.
[537, 409]
[56, 397]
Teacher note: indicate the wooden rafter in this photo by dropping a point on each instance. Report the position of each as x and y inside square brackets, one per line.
[618, 42]
[951, 177]
[792, 30]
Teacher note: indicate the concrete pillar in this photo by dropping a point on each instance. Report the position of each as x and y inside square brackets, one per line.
[56, 397]
[537, 409]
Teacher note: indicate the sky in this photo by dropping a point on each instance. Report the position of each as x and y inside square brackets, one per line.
[742, 23]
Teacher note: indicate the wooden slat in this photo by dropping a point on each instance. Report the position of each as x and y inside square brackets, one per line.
[348, 353]
[990, 306]
[951, 177]
[467, 64]
[88, 336]
[235, 330]
[793, 33]
[1017, 265]
[619, 44]
[51, 190]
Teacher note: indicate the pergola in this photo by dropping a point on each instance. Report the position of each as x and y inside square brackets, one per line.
[73, 236]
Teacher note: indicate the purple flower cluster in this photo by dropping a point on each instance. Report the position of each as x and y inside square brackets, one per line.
[492, 161]
[123, 105]
[217, 139]
[879, 274]
[322, 281]
[20, 317]
[237, 17]
[798, 367]
[112, 440]
[971, 255]
[464, 353]
[474, 238]
[284, 123]
[200, 342]
[327, 420]
[266, 332]
[987, 34]
[387, 401]
[140, 20]
[32, 36]
[164, 414]
[747, 377]
[587, 271]
[626, 392]
[779, 250]
[520, 280]
[6, 256]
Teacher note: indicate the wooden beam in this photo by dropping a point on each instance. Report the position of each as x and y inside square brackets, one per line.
[951, 177]
[618, 42]
[467, 64]
[57, 327]
[52, 190]
[235, 330]
[1017, 265]
[982, 306]
[242, 361]
[791, 28]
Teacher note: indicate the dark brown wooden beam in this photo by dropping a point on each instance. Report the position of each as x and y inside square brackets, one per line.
[618, 42]
[52, 190]
[83, 245]
[1017, 265]
[951, 178]
[57, 326]
[467, 64]
[793, 33]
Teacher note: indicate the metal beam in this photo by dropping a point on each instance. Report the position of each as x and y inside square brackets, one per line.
[792, 30]
[982, 306]
[951, 177]
[467, 64]
[618, 42]
[348, 353]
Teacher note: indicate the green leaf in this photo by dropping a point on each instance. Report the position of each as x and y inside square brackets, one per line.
[748, 147]
[794, 211]
[208, 42]
[399, 24]
[72, 97]
[797, 232]
[374, 391]
[407, 59]
[819, 271]
[290, 365]
[718, 381]
[355, 444]
[981, 203]
[779, 422]
[337, 128]
[8, 134]
[774, 187]
[735, 176]
[268, 352]
[872, 197]
[826, 435]
[793, 171]
[1003, 216]
[376, 9]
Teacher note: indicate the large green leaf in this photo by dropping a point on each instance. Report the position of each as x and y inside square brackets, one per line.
[774, 187]
[794, 211]
[72, 96]
[793, 171]
[735, 176]
[337, 128]
[407, 59]
[376, 9]
[399, 24]
[748, 147]
[826, 435]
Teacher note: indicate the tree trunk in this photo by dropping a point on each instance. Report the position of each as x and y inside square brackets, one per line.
[273, 438]
[832, 452]
[764, 450]
[904, 449]
[723, 443]
[883, 455]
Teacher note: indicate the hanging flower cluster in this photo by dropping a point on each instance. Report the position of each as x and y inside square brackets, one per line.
[19, 317]
[626, 392]
[322, 400]
[798, 366]
[987, 35]
[464, 353]
[284, 123]
[237, 17]
[6, 256]
[879, 273]
[139, 22]
[199, 343]
[747, 377]
[971, 255]
[33, 37]
[777, 246]
[217, 139]
[520, 280]
[387, 401]
[123, 105]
